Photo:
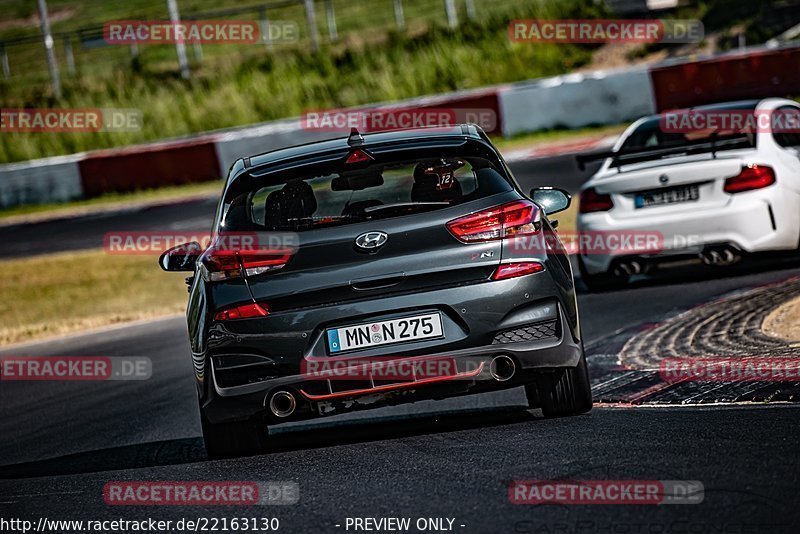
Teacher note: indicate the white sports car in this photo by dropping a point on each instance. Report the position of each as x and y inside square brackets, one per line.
[710, 183]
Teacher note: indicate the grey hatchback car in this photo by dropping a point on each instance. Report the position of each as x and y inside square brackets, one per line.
[388, 267]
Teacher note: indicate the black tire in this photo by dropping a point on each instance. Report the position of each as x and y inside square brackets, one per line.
[233, 439]
[561, 393]
[601, 281]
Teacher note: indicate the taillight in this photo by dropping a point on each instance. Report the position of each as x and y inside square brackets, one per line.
[358, 156]
[591, 201]
[751, 177]
[520, 217]
[245, 311]
[224, 264]
[513, 270]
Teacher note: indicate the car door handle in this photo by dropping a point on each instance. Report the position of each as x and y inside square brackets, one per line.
[377, 282]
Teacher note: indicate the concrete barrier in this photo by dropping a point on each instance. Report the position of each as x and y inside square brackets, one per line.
[149, 166]
[576, 100]
[41, 181]
[244, 142]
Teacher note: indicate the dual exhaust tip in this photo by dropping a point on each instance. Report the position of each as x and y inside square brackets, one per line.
[282, 403]
[629, 268]
[720, 256]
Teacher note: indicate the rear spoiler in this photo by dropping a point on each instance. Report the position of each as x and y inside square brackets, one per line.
[637, 155]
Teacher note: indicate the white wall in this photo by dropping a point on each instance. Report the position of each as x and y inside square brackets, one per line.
[40, 181]
[254, 140]
[576, 100]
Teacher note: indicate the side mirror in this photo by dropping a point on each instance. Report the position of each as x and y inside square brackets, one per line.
[181, 258]
[551, 200]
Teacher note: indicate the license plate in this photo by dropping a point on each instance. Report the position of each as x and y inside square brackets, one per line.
[385, 332]
[688, 193]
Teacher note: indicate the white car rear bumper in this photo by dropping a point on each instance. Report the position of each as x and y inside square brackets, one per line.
[754, 221]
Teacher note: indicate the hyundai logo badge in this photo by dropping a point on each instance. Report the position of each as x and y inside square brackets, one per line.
[371, 241]
[663, 178]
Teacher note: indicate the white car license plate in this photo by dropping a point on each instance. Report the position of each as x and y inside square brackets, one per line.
[385, 332]
[672, 195]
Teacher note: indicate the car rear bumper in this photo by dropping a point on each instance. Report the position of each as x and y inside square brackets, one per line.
[317, 396]
[755, 221]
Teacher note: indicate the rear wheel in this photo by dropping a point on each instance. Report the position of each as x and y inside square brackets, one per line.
[601, 281]
[563, 392]
[235, 438]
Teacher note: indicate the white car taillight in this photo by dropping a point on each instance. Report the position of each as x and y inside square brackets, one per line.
[752, 177]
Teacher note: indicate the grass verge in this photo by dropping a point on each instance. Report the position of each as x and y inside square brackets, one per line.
[67, 292]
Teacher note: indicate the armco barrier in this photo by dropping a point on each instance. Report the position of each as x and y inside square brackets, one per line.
[576, 100]
[149, 166]
[757, 74]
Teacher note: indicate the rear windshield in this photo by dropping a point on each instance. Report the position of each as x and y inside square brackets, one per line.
[369, 193]
[650, 134]
[665, 132]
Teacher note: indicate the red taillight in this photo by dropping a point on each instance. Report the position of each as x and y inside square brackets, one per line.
[513, 270]
[223, 264]
[591, 201]
[751, 177]
[358, 156]
[246, 311]
[520, 217]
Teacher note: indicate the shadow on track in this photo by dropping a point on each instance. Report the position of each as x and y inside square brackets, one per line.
[307, 436]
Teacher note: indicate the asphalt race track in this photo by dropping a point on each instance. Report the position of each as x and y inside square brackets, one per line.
[454, 458]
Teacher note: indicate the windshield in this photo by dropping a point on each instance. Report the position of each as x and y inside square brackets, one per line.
[369, 193]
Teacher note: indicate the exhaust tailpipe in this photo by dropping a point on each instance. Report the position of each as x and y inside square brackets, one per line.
[502, 368]
[628, 268]
[282, 404]
[720, 256]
